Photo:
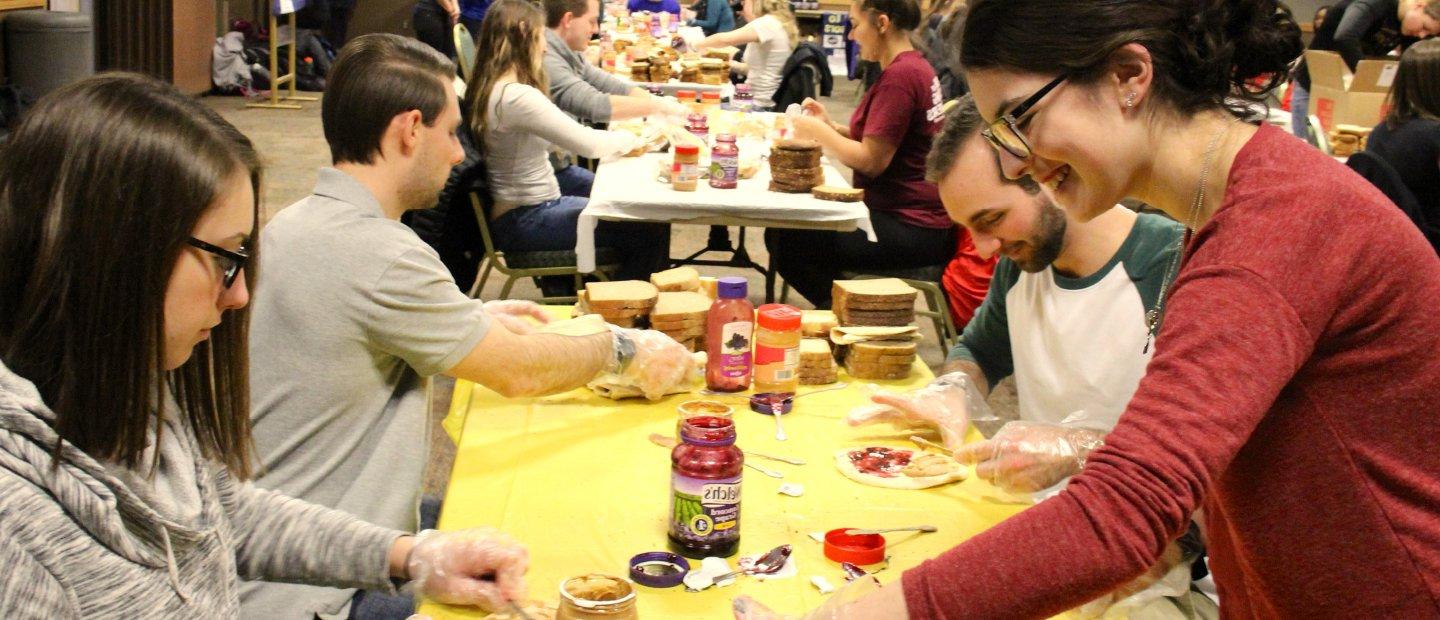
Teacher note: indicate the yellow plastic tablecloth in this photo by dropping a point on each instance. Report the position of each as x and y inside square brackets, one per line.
[575, 478]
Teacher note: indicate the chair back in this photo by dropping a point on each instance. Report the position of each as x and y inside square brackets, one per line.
[464, 51]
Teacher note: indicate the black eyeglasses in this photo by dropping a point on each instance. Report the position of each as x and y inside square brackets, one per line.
[231, 263]
[1004, 132]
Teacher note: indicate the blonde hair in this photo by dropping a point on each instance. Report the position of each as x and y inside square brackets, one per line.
[781, 10]
[510, 35]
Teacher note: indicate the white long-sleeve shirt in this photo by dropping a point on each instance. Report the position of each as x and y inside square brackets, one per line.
[523, 123]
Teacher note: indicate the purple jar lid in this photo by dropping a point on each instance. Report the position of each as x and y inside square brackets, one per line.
[765, 403]
[658, 569]
[732, 287]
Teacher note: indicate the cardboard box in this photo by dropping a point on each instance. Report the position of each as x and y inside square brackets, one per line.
[1340, 98]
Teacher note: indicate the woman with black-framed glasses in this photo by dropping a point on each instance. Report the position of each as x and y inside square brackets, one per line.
[1293, 394]
[128, 214]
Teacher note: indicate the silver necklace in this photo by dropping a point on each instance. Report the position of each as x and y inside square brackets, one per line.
[1152, 317]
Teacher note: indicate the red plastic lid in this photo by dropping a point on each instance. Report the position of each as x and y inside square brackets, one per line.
[779, 317]
[687, 149]
[710, 96]
[684, 95]
[864, 549]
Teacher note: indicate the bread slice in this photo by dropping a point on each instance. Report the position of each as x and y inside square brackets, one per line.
[875, 290]
[817, 323]
[851, 313]
[814, 350]
[819, 380]
[796, 145]
[682, 333]
[869, 371]
[838, 194]
[621, 313]
[852, 305]
[710, 286]
[877, 322]
[876, 348]
[677, 279]
[621, 294]
[586, 325]
[670, 323]
[673, 307]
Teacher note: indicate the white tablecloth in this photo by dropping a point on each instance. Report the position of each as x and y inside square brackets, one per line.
[629, 189]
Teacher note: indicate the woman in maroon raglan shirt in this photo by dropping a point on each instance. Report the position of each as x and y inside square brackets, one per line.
[885, 145]
[1294, 393]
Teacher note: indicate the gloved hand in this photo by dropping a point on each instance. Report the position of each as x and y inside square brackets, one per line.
[746, 608]
[812, 107]
[947, 403]
[657, 363]
[512, 314]
[670, 109]
[1025, 457]
[478, 566]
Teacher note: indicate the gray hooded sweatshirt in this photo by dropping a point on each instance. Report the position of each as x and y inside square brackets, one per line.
[90, 540]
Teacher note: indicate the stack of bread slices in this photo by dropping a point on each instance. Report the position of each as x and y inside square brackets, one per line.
[625, 303]
[817, 363]
[877, 360]
[881, 302]
[681, 315]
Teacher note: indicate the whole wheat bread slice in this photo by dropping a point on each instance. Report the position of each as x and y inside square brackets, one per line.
[876, 348]
[875, 290]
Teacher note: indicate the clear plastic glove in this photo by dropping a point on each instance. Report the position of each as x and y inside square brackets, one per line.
[659, 363]
[809, 127]
[670, 109]
[833, 608]
[946, 404]
[478, 566]
[1025, 457]
[1168, 578]
[512, 313]
[812, 107]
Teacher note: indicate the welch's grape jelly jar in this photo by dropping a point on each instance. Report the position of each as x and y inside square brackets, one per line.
[705, 472]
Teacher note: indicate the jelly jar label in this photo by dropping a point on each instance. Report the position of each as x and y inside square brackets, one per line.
[735, 348]
[705, 511]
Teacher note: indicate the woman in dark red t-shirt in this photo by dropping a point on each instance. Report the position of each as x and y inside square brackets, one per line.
[885, 144]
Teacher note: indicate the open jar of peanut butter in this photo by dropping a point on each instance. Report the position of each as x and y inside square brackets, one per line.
[598, 597]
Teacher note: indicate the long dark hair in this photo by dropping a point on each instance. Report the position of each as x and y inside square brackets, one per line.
[1205, 52]
[1416, 91]
[101, 185]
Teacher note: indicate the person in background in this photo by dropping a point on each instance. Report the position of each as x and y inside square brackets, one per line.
[581, 89]
[357, 313]
[654, 6]
[941, 49]
[125, 446]
[472, 13]
[433, 21]
[1293, 388]
[1359, 29]
[1409, 137]
[516, 123]
[711, 16]
[769, 36]
[337, 23]
[885, 145]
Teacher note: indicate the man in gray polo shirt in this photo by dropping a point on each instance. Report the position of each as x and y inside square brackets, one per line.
[581, 89]
[354, 312]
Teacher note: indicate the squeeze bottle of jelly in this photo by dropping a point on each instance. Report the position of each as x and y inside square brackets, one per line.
[729, 329]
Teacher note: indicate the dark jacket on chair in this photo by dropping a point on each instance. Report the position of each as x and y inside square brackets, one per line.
[796, 81]
[1383, 176]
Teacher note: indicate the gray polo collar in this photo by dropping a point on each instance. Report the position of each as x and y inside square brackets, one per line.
[337, 185]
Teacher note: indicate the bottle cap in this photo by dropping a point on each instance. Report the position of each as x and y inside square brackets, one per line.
[658, 569]
[779, 317]
[685, 95]
[732, 287]
[687, 149]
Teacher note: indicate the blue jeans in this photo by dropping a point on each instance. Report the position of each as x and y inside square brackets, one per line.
[1300, 111]
[644, 248]
[575, 181]
[381, 606]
